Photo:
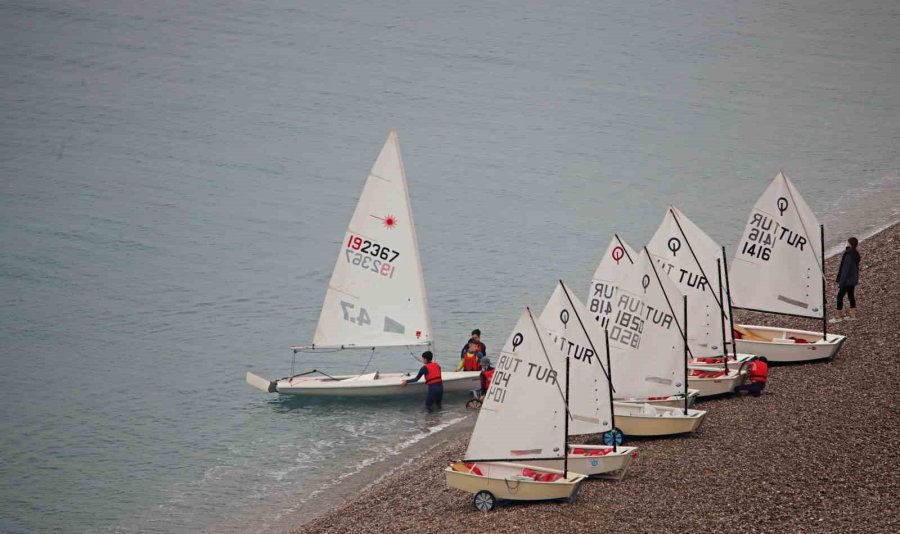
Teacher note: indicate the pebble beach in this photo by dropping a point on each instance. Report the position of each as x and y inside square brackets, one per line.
[818, 452]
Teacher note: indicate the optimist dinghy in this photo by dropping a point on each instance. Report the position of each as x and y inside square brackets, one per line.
[648, 351]
[376, 296]
[692, 260]
[615, 265]
[524, 418]
[777, 269]
[590, 396]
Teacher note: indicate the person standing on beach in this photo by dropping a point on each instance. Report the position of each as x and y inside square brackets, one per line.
[487, 374]
[432, 373]
[847, 279]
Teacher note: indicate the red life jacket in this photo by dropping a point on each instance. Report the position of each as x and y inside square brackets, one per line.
[433, 375]
[488, 375]
[759, 371]
[470, 362]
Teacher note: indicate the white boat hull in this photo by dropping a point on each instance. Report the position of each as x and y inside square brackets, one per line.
[743, 359]
[498, 479]
[717, 385]
[612, 464]
[646, 420]
[775, 344]
[675, 401]
[371, 385]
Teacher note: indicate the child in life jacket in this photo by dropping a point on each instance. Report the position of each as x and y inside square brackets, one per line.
[487, 374]
[759, 374]
[431, 371]
[470, 360]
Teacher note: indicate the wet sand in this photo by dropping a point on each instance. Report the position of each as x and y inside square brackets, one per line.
[818, 452]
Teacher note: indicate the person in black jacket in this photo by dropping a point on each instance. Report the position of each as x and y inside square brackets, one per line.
[847, 280]
[476, 338]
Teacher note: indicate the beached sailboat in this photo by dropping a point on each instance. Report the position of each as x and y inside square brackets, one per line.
[648, 351]
[692, 260]
[590, 396]
[777, 269]
[615, 265]
[376, 296]
[524, 418]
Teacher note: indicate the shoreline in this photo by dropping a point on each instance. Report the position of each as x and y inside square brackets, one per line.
[821, 469]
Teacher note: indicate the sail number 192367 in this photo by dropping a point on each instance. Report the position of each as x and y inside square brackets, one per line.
[371, 256]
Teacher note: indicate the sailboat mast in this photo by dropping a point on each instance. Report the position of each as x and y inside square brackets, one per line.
[722, 317]
[612, 410]
[730, 307]
[684, 338]
[824, 296]
[566, 427]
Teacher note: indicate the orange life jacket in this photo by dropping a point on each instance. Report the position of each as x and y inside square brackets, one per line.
[488, 375]
[434, 373]
[470, 362]
[759, 371]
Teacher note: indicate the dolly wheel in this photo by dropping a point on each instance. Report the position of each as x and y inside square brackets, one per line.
[484, 501]
[473, 404]
[609, 435]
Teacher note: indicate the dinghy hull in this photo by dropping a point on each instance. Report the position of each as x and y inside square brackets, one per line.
[777, 346]
[500, 479]
[585, 459]
[373, 385]
[674, 401]
[638, 420]
[715, 385]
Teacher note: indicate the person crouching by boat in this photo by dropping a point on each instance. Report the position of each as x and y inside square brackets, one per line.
[847, 279]
[432, 373]
[759, 374]
[469, 361]
[476, 338]
[487, 373]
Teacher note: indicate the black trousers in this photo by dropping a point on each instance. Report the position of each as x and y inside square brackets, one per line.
[434, 396]
[753, 388]
[850, 291]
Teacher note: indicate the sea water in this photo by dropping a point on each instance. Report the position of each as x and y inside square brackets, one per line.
[175, 179]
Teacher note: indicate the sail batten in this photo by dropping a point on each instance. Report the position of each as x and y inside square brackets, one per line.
[777, 267]
[376, 296]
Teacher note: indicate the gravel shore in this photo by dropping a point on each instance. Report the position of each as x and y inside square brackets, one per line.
[818, 452]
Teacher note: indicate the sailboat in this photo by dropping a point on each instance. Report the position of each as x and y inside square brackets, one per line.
[615, 265]
[777, 269]
[590, 397]
[692, 260]
[648, 351]
[376, 297]
[524, 418]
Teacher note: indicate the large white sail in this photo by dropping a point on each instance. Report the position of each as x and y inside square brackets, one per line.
[523, 414]
[616, 261]
[777, 266]
[646, 344]
[376, 296]
[688, 256]
[572, 331]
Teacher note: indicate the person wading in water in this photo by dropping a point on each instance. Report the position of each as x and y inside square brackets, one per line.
[432, 373]
[847, 280]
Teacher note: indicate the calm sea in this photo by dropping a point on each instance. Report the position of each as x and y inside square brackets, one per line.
[175, 178]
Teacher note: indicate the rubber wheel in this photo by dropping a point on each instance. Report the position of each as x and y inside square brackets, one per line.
[484, 501]
[473, 404]
[609, 435]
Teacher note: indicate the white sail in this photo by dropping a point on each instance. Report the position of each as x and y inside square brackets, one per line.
[613, 267]
[777, 266]
[523, 414]
[646, 344]
[376, 296]
[585, 346]
[688, 256]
